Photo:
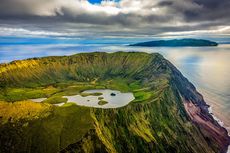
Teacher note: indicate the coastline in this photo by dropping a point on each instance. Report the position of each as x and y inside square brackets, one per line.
[215, 110]
[221, 123]
[202, 116]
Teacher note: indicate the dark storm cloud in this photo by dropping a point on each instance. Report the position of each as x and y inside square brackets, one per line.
[165, 3]
[127, 17]
[205, 10]
[211, 10]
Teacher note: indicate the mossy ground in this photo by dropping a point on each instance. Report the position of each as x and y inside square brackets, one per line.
[100, 98]
[102, 102]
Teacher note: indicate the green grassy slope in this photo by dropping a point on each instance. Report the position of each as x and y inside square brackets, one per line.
[80, 67]
[156, 121]
[63, 126]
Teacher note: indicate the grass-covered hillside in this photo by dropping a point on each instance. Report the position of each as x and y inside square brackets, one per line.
[156, 121]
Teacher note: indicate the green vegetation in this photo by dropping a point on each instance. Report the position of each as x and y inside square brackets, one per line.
[90, 94]
[18, 94]
[55, 100]
[155, 121]
[23, 110]
[102, 102]
[142, 96]
[100, 98]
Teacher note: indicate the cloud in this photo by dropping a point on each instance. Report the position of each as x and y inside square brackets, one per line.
[125, 17]
[221, 31]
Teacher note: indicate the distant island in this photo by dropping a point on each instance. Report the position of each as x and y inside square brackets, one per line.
[177, 43]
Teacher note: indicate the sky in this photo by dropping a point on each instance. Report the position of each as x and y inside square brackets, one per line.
[110, 19]
[95, 1]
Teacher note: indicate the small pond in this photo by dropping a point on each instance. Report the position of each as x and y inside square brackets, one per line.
[109, 98]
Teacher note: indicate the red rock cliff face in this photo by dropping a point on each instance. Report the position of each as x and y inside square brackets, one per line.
[208, 126]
